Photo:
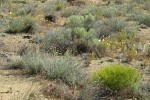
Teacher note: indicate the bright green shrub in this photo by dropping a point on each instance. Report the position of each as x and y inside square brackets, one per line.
[24, 24]
[59, 7]
[117, 77]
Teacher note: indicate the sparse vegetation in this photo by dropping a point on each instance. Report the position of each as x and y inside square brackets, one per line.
[66, 40]
[54, 67]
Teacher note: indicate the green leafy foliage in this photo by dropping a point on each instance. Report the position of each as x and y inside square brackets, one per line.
[59, 6]
[117, 77]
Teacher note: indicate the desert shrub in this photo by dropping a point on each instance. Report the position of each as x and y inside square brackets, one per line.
[144, 19]
[100, 47]
[108, 27]
[75, 21]
[140, 16]
[57, 40]
[86, 21]
[59, 6]
[52, 6]
[20, 1]
[65, 68]
[3, 1]
[101, 29]
[75, 37]
[117, 77]
[24, 24]
[27, 9]
[68, 11]
[52, 66]
[146, 5]
[89, 21]
[116, 24]
[33, 62]
[109, 11]
[23, 11]
[148, 50]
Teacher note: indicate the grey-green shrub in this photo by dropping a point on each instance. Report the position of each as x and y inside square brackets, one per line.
[75, 21]
[109, 11]
[24, 10]
[68, 11]
[148, 51]
[24, 24]
[52, 66]
[65, 68]
[117, 77]
[116, 24]
[140, 16]
[58, 40]
[33, 62]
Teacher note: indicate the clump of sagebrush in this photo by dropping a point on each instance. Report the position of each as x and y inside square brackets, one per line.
[109, 11]
[76, 36]
[25, 24]
[57, 40]
[25, 10]
[52, 66]
[117, 77]
[33, 62]
[68, 11]
[65, 68]
[141, 17]
[54, 6]
[148, 51]
[116, 24]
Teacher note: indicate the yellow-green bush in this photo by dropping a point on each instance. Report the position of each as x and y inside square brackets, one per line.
[117, 77]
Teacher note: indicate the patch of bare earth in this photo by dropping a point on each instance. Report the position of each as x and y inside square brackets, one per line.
[14, 85]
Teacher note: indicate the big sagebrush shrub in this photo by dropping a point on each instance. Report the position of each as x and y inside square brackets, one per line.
[117, 77]
[25, 24]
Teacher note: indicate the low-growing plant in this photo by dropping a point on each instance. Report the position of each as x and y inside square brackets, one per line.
[148, 50]
[33, 62]
[24, 10]
[52, 66]
[117, 77]
[109, 11]
[24, 24]
[140, 16]
[116, 25]
[144, 19]
[65, 68]
[57, 40]
[68, 11]
[59, 6]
